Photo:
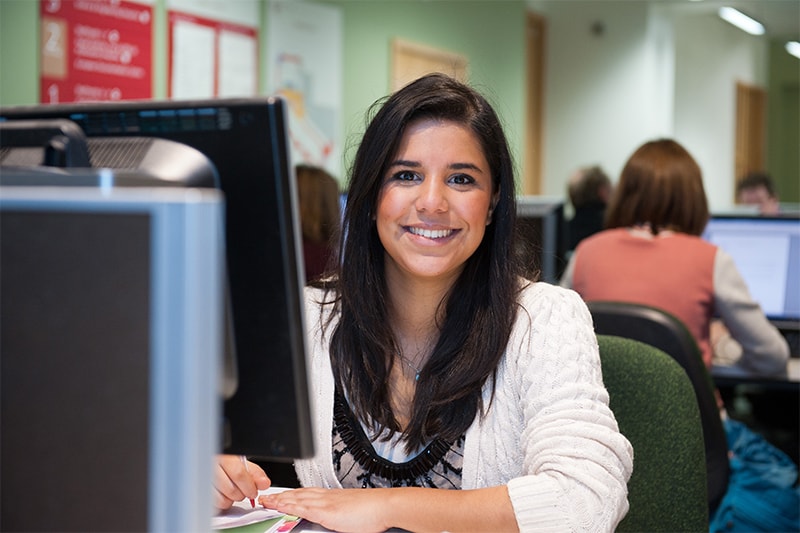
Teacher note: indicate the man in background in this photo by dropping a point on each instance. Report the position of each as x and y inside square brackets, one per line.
[589, 190]
[757, 188]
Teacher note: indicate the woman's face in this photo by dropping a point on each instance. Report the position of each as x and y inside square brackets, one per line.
[435, 201]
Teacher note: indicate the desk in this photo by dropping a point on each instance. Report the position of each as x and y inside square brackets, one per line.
[768, 405]
[729, 376]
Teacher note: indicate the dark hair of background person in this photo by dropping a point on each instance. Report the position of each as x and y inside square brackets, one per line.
[318, 199]
[660, 185]
[754, 180]
[479, 311]
[589, 190]
[757, 189]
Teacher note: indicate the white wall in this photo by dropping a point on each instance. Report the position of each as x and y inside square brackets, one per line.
[600, 90]
[712, 56]
[655, 71]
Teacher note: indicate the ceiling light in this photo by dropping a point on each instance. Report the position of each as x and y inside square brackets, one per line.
[741, 21]
[793, 47]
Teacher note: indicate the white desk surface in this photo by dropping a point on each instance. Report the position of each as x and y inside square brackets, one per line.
[241, 510]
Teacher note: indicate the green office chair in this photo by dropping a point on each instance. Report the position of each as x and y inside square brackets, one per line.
[655, 407]
[666, 332]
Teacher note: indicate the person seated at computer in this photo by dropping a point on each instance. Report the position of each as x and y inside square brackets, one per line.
[589, 189]
[757, 189]
[434, 365]
[652, 254]
[318, 200]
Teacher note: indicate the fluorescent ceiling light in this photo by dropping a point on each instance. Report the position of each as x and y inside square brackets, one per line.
[793, 47]
[741, 21]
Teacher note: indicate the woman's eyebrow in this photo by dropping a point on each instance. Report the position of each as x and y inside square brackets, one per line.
[405, 163]
[465, 166]
[452, 166]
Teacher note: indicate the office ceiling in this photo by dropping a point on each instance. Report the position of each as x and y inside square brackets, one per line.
[781, 18]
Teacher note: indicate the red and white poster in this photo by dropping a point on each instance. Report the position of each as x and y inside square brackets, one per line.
[96, 50]
[212, 57]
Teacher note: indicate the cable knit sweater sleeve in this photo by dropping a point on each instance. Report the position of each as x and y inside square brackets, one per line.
[549, 433]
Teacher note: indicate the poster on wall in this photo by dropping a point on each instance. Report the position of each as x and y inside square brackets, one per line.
[95, 50]
[213, 48]
[304, 65]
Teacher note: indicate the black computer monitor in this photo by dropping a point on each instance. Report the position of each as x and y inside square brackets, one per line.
[766, 251]
[247, 140]
[541, 236]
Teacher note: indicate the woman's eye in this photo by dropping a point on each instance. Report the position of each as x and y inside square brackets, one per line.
[405, 175]
[461, 179]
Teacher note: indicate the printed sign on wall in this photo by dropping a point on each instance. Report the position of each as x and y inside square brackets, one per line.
[211, 57]
[95, 50]
[304, 66]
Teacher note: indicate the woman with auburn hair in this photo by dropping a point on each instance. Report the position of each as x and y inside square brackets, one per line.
[651, 253]
[318, 200]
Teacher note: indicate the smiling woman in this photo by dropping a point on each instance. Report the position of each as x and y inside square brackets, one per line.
[436, 365]
[435, 203]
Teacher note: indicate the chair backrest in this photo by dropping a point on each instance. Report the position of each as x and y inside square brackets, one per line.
[652, 400]
[663, 330]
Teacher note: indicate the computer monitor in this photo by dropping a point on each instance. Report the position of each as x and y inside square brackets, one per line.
[541, 236]
[246, 139]
[110, 332]
[766, 251]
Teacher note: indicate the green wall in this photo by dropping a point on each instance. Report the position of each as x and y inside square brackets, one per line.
[490, 33]
[783, 123]
[19, 52]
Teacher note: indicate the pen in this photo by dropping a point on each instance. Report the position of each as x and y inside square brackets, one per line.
[244, 462]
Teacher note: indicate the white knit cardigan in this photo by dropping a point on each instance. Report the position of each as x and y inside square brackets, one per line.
[548, 434]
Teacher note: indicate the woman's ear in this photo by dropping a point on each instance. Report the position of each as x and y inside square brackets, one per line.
[492, 205]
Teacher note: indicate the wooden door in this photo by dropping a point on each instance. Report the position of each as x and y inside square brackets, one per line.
[535, 39]
[750, 130]
[412, 60]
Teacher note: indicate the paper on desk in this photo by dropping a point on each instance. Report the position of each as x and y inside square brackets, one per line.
[242, 514]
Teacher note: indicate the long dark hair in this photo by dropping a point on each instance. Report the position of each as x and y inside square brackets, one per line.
[478, 312]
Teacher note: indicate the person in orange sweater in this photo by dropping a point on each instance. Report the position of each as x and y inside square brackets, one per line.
[651, 253]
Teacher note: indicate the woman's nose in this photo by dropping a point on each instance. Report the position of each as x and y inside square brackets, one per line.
[432, 196]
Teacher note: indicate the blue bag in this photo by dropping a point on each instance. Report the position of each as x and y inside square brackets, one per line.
[763, 494]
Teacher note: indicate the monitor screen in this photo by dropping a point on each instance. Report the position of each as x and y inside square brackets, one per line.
[541, 236]
[110, 331]
[246, 139]
[766, 251]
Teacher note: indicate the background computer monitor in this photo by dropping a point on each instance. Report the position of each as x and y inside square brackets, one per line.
[541, 236]
[766, 251]
[110, 331]
[246, 139]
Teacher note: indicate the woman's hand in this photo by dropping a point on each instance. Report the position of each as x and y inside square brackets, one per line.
[235, 480]
[336, 509]
[409, 508]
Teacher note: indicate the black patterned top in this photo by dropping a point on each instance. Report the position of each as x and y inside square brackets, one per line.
[358, 465]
